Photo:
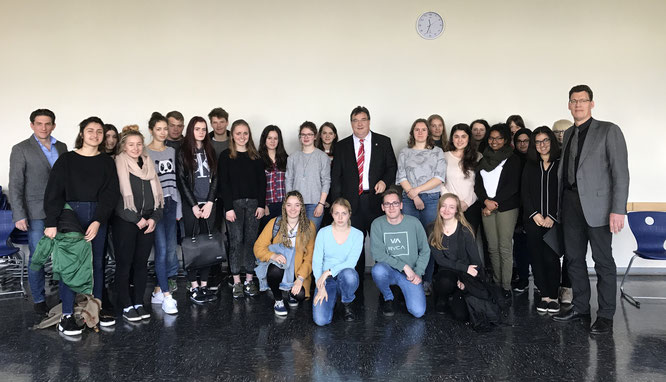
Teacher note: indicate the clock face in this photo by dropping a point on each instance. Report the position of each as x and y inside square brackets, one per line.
[430, 25]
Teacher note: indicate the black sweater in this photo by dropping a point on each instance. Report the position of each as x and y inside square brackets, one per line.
[241, 178]
[144, 201]
[460, 250]
[508, 188]
[539, 190]
[185, 182]
[77, 178]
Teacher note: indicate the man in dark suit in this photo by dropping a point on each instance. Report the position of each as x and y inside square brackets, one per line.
[29, 165]
[594, 185]
[364, 166]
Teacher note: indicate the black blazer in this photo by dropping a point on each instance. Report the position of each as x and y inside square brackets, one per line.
[539, 190]
[185, 182]
[344, 173]
[508, 188]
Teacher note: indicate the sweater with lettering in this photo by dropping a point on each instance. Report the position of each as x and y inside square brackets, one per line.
[401, 244]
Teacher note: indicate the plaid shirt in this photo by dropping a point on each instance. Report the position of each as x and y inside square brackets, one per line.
[274, 185]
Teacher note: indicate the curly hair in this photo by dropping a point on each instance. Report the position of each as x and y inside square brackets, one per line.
[305, 233]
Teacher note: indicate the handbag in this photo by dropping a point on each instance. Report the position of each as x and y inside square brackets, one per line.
[555, 239]
[203, 249]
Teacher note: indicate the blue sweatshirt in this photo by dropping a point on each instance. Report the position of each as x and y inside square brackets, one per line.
[328, 254]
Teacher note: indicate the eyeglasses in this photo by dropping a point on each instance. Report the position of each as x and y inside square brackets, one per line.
[360, 120]
[495, 139]
[577, 101]
[391, 204]
[542, 143]
[523, 141]
[558, 132]
[310, 135]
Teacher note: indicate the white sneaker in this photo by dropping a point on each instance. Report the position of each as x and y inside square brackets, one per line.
[156, 298]
[169, 305]
[566, 295]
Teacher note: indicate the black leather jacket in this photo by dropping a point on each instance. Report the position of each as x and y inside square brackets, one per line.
[185, 182]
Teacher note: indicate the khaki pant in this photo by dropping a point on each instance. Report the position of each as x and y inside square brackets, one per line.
[499, 228]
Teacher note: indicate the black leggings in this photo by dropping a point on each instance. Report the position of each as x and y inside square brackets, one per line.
[445, 285]
[545, 262]
[132, 249]
[274, 278]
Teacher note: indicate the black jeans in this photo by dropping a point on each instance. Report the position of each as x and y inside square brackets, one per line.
[577, 233]
[274, 278]
[445, 286]
[545, 262]
[243, 233]
[132, 248]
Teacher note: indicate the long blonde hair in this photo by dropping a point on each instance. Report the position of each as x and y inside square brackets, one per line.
[305, 232]
[435, 237]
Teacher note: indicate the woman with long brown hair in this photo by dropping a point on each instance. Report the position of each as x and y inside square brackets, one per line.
[243, 189]
[196, 176]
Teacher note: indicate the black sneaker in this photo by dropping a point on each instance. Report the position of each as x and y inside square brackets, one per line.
[41, 308]
[387, 308]
[106, 318]
[292, 301]
[349, 312]
[209, 294]
[197, 296]
[542, 306]
[506, 293]
[520, 286]
[553, 307]
[69, 327]
[131, 315]
[440, 306]
[142, 312]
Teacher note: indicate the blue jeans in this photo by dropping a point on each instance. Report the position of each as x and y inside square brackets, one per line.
[384, 276]
[35, 278]
[426, 216]
[165, 243]
[344, 284]
[85, 211]
[309, 212]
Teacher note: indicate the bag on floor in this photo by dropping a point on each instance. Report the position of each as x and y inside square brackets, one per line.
[203, 250]
[485, 302]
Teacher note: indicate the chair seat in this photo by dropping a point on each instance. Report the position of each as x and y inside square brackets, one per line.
[8, 251]
[652, 255]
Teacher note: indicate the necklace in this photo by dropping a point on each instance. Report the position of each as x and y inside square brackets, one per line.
[292, 229]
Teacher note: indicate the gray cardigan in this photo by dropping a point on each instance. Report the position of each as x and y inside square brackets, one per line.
[310, 174]
[28, 174]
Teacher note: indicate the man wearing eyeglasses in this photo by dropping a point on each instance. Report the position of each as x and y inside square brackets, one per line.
[400, 248]
[363, 166]
[594, 184]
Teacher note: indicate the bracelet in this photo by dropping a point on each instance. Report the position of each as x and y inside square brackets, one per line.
[301, 278]
[324, 205]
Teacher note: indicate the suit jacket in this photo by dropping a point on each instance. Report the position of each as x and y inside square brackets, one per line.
[28, 174]
[602, 177]
[344, 173]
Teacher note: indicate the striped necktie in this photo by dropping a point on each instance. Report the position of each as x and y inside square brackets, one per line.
[360, 161]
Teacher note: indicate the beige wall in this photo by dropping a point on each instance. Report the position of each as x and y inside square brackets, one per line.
[285, 62]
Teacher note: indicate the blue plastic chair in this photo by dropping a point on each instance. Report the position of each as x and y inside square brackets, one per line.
[649, 229]
[11, 257]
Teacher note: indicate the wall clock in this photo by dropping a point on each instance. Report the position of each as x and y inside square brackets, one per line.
[430, 25]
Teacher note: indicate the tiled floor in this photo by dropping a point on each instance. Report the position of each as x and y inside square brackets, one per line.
[243, 340]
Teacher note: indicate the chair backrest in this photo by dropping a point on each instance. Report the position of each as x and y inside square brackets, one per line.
[6, 227]
[650, 237]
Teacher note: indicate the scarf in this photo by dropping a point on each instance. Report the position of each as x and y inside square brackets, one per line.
[126, 166]
[492, 158]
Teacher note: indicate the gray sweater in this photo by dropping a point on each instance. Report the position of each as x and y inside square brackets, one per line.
[419, 166]
[310, 174]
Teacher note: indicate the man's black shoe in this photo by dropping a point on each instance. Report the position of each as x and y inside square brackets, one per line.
[602, 325]
[571, 316]
[41, 308]
[387, 308]
[349, 313]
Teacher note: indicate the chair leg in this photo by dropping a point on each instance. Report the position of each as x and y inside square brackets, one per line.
[624, 295]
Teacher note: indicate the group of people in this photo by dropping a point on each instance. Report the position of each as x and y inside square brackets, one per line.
[297, 222]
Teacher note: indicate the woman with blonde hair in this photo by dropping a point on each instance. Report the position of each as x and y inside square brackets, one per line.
[336, 252]
[136, 214]
[284, 250]
[453, 247]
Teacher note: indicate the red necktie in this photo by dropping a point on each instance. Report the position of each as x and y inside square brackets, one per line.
[360, 160]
